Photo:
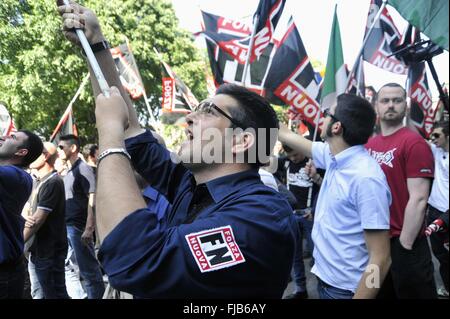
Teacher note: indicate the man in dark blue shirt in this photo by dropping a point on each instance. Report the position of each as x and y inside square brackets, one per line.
[17, 151]
[227, 235]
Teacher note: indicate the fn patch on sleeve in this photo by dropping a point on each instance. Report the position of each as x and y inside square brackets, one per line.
[215, 248]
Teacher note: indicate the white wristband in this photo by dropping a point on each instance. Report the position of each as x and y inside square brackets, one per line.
[110, 151]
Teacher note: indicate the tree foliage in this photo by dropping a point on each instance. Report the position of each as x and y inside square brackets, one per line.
[40, 71]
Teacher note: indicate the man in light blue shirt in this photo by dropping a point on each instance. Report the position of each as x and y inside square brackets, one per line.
[351, 229]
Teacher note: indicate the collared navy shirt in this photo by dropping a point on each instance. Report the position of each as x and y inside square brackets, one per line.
[15, 189]
[240, 245]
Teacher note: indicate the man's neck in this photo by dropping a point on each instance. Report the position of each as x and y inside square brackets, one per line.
[337, 145]
[44, 170]
[212, 172]
[388, 128]
[73, 159]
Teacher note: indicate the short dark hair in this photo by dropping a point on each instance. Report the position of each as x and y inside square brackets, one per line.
[391, 85]
[254, 112]
[71, 139]
[442, 124]
[357, 117]
[34, 145]
[89, 150]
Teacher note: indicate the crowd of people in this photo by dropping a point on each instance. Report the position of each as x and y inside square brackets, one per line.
[365, 196]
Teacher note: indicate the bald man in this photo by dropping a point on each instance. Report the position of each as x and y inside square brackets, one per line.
[49, 248]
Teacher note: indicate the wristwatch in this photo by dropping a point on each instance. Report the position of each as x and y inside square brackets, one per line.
[100, 46]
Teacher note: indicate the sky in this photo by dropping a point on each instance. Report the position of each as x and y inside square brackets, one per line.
[313, 19]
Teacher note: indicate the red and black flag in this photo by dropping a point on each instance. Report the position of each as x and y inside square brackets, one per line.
[382, 41]
[357, 84]
[233, 37]
[66, 125]
[128, 70]
[291, 78]
[422, 112]
[224, 65]
[6, 122]
[176, 95]
[268, 14]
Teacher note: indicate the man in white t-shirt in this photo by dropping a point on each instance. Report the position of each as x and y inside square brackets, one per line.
[438, 201]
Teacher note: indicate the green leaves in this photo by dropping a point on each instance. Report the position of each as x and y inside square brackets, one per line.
[40, 71]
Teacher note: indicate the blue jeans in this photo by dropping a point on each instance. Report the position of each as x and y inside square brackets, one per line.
[50, 276]
[304, 226]
[327, 291]
[87, 262]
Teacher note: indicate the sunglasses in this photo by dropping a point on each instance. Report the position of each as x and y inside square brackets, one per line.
[61, 147]
[327, 113]
[435, 135]
[207, 107]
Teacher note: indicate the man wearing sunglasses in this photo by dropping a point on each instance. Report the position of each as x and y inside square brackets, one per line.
[226, 235]
[438, 201]
[351, 226]
[407, 162]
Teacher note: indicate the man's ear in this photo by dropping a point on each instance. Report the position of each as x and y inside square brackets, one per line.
[21, 152]
[337, 128]
[243, 142]
[73, 148]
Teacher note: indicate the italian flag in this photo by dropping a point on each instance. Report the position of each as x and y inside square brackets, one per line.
[335, 72]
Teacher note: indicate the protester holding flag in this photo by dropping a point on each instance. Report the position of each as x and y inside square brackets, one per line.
[17, 152]
[227, 234]
[350, 232]
[407, 162]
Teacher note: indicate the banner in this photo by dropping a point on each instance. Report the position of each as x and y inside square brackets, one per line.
[182, 99]
[382, 41]
[268, 13]
[168, 94]
[128, 70]
[357, 83]
[66, 125]
[233, 36]
[224, 65]
[291, 77]
[6, 122]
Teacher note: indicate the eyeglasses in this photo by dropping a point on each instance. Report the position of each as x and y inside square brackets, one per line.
[327, 113]
[395, 100]
[206, 108]
[435, 135]
[61, 147]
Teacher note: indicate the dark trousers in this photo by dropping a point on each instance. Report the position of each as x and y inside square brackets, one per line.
[437, 245]
[12, 279]
[411, 274]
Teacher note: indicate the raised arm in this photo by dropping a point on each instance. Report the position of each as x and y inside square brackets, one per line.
[77, 16]
[295, 141]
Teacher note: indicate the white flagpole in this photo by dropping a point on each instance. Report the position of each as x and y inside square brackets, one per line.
[250, 49]
[92, 60]
[375, 20]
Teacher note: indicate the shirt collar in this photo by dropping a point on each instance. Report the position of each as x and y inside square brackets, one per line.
[347, 156]
[77, 162]
[221, 187]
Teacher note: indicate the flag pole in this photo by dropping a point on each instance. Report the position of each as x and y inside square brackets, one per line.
[92, 60]
[375, 20]
[250, 49]
[69, 107]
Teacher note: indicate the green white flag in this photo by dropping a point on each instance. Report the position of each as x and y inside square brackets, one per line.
[335, 73]
[429, 16]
